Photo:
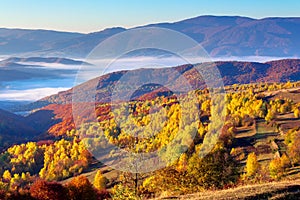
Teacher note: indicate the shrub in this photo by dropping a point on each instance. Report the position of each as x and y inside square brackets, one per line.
[42, 190]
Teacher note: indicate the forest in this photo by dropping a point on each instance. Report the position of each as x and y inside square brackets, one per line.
[255, 139]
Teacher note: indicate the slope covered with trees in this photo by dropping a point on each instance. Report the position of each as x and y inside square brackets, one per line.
[254, 145]
[14, 128]
[232, 72]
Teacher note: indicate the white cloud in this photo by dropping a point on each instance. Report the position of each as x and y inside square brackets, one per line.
[30, 94]
[251, 58]
[52, 65]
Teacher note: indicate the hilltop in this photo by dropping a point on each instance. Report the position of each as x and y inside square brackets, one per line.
[221, 36]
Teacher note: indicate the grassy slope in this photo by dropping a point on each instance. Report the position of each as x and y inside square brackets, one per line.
[259, 138]
[274, 190]
[256, 138]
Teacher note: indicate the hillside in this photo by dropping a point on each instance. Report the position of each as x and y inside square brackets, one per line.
[57, 118]
[261, 120]
[251, 134]
[219, 35]
[49, 60]
[14, 129]
[15, 41]
[275, 190]
[232, 73]
[36, 68]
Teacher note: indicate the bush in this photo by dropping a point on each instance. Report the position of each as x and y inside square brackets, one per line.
[103, 194]
[100, 181]
[276, 169]
[42, 190]
[80, 188]
[252, 165]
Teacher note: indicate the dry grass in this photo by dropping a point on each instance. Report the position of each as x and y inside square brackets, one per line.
[108, 172]
[273, 190]
[292, 93]
[245, 132]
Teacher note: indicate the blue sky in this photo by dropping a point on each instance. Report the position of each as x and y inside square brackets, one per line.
[94, 15]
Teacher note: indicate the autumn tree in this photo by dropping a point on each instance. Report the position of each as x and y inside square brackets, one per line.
[42, 190]
[278, 166]
[63, 159]
[25, 158]
[275, 168]
[207, 171]
[6, 175]
[292, 140]
[2, 193]
[80, 188]
[201, 173]
[270, 115]
[122, 192]
[182, 163]
[18, 195]
[296, 112]
[100, 181]
[252, 165]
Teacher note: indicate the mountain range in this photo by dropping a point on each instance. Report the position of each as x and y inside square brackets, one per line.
[16, 68]
[219, 35]
[33, 50]
[37, 60]
[53, 114]
[232, 72]
[14, 129]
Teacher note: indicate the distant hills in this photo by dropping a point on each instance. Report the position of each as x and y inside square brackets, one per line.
[49, 60]
[14, 129]
[16, 68]
[54, 113]
[219, 35]
[232, 72]
[14, 41]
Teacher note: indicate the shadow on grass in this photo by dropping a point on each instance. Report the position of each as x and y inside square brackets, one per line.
[290, 192]
[264, 135]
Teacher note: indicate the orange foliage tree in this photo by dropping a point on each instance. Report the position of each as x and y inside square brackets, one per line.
[80, 188]
[42, 190]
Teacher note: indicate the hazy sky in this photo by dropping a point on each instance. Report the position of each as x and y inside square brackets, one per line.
[94, 15]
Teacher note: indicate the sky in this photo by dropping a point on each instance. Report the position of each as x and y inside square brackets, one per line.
[94, 15]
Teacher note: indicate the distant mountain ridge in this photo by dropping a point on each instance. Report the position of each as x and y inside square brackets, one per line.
[14, 128]
[232, 72]
[16, 68]
[54, 113]
[219, 35]
[53, 60]
[15, 41]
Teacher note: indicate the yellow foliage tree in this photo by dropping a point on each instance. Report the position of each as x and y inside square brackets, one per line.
[100, 181]
[296, 113]
[276, 169]
[285, 161]
[252, 165]
[182, 163]
[270, 116]
[6, 175]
